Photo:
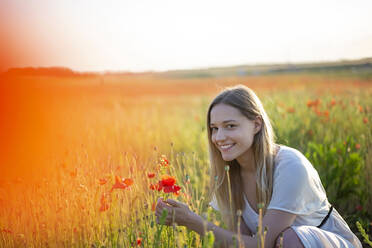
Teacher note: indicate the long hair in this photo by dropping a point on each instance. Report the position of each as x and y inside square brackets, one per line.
[263, 146]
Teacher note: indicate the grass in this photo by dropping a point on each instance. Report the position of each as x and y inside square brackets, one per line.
[85, 133]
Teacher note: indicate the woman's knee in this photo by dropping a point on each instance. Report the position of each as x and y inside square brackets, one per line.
[289, 239]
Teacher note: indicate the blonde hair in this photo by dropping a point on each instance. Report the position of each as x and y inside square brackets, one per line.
[263, 147]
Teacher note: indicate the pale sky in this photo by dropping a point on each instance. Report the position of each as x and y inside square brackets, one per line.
[140, 35]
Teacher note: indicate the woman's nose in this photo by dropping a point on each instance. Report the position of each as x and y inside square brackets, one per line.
[220, 135]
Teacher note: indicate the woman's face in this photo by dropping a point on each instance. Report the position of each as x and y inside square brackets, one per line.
[231, 132]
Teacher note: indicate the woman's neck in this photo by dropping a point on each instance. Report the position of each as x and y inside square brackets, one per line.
[247, 162]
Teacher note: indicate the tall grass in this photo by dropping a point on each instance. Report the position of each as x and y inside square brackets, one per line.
[104, 135]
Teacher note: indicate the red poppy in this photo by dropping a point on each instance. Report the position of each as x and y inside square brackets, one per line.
[164, 161]
[102, 181]
[153, 207]
[314, 103]
[156, 186]
[121, 184]
[128, 181]
[167, 180]
[291, 110]
[357, 146]
[139, 241]
[104, 203]
[360, 109]
[365, 120]
[73, 173]
[5, 230]
[150, 175]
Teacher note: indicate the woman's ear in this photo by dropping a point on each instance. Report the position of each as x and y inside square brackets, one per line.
[257, 124]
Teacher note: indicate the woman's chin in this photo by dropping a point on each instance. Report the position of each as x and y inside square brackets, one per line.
[228, 158]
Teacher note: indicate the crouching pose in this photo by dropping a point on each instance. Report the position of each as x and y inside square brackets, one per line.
[294, 201]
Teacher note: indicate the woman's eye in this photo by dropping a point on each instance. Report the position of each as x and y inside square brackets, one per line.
[230, 126]
[214, 129]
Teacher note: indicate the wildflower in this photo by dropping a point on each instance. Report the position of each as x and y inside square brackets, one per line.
[357, 146]
[6, 230]
[359, 208]
[326, 113]
[139, 241]
[153, 207]
[365, 120]
[172, 189]
[104, 203]
[360, 109]
[121, 184]
[167, 180]
[314, 103]
[164, 161]
[102, 181]
[73, 173]
[332, 103]
[291, 110]
[150, 175]
[167, 184]
[156, 187]
[128, 181]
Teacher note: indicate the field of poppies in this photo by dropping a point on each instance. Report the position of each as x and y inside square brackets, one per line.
[85, 158]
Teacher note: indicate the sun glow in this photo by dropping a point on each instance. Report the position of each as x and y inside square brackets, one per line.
[161, 35]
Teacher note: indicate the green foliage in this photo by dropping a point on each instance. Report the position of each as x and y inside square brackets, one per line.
[339, 166]
[364, 234]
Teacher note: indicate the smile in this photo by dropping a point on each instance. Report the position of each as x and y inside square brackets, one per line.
[226, 147]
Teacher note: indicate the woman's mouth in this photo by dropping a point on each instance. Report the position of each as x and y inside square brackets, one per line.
[226, 147]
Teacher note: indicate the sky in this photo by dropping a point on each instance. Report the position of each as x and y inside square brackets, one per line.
[141, 35]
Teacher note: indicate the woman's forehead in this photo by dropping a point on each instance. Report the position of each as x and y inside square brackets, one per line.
[223, 113]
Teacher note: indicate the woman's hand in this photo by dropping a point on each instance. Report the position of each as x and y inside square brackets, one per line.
[178, 212]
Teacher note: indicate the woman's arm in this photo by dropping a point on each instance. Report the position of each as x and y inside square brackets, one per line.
[180, 213]
[276, 221]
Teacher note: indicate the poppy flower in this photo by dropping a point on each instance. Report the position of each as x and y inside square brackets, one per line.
[121, 184]
[314, 103]
[365, 120]
[156, 186]
[5, 230]
[167, 181]
[164, 161]
[291, 110]
[153, 207]
[102, 181]
[150, 175]
[73, 174]
[360, 109]
[128, 181]
[357, 146]
[139, 241]
[104, 203]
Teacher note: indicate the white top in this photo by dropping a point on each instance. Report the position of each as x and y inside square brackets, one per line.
[297, 189]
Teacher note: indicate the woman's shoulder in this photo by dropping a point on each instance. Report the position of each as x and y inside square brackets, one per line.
[291, 160]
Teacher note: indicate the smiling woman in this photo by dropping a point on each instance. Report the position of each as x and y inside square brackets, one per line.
[260, 172]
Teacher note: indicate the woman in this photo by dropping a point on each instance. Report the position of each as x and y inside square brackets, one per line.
[294, 201]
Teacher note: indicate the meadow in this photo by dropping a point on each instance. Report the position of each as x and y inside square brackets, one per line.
[85, 157]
